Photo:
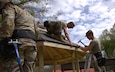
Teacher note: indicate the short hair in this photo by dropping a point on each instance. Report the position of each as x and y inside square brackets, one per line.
[46, 23]
[89, 32]
[72, 24]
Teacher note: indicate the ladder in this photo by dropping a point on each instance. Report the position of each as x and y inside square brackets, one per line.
[87, 65]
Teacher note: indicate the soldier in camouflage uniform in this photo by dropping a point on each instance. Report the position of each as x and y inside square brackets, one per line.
[54, 29]
[18, 23]
[94, 48]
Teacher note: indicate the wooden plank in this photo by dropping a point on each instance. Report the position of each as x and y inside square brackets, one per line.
[50, 54]
[56, 45]
[51, 44]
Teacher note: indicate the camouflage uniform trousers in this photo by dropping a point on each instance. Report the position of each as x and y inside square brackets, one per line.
[57, 37]
[27, 52]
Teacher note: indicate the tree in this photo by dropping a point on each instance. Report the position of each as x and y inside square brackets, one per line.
[108, 41]
[112, 31]
[108, 44]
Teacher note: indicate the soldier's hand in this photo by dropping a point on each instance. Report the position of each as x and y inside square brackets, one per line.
[85, 45]
[71, 44]
[77, 46]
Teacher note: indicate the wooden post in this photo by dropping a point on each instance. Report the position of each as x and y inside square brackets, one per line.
[77, 61]
[73, 61]
[73, 66]
[54, 66]
[41, 59]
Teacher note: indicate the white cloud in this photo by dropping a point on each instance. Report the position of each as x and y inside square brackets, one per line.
[86, 14]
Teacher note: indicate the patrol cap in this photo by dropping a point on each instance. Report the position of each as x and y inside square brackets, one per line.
[3, 2]
[89, 32]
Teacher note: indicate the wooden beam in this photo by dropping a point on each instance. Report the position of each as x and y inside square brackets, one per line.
[51, 44]
[56, 45]
[50, 54]
[57, 52]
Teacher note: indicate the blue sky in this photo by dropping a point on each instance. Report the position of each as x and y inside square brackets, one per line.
[96, 15]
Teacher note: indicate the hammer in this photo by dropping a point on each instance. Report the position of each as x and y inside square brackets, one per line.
[15, 43]
[82, 42]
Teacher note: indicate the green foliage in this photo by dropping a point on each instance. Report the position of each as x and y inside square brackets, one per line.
[108, 41]
[108, 44]
[109, 47]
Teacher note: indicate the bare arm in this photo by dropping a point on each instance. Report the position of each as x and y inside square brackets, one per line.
[85, 48]
[67, 35]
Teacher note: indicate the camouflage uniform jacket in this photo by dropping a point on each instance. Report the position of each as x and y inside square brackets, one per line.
[15, 18]
[56, 27]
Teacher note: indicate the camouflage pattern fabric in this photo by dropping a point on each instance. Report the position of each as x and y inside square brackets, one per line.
[27, 53]
[55, 29]
[16, 18]
[57, 37]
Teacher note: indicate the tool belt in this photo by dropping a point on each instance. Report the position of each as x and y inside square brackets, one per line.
[100, 59]
[23, 34]
[6, 50]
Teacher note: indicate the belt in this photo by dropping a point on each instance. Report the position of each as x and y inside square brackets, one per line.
[24, 34]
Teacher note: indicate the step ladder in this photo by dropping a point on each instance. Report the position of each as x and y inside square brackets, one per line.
[87, 65]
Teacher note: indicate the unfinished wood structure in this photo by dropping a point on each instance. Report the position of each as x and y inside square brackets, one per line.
[53, 52]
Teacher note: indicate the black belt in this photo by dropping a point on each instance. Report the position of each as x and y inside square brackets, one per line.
[24, 34]
[100, 59]
[98, 54]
